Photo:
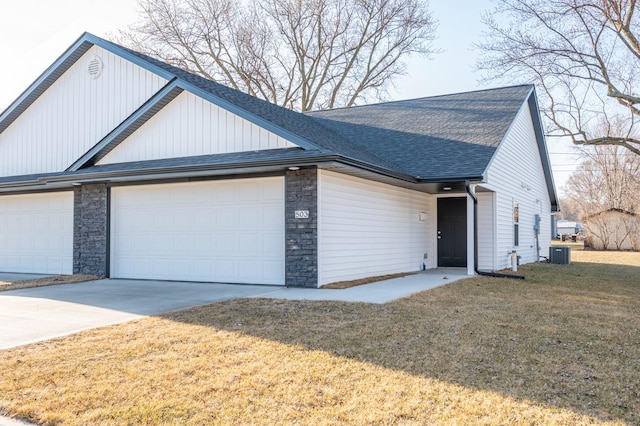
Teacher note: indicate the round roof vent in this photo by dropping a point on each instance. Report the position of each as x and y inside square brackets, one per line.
[95, 67]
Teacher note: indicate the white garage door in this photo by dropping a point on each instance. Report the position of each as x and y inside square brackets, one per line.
[36, 233]
[216, 231]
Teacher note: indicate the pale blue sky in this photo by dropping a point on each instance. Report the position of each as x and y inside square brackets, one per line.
[33, 33]
[452, 70]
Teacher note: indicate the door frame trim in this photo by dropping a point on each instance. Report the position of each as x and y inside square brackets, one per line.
[470, 229]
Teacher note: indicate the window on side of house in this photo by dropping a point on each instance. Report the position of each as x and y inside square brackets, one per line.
[516, 224]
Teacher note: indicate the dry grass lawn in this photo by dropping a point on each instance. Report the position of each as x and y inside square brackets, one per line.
[561, 347]
[339, 285]
[45, 281]
[579, 245]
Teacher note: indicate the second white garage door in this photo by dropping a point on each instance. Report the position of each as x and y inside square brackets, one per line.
[215, 231]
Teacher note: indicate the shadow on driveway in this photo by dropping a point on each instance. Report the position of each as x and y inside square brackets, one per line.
[42, 313]
[36, 314]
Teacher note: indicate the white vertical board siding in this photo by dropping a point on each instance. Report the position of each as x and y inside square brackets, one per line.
[486, 231]
[74, 114]
[36, 233]
[516, 174]
[216, 231]
[191, 126]
[367, 228]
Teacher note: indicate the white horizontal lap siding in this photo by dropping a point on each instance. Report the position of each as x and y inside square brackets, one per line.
[36, 233]
[486, 231]
[74, 114]
[216, 231]
[191, 126]
[368, 229]
[516, 174]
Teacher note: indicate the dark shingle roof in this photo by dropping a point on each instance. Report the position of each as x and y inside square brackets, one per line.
[451, 136]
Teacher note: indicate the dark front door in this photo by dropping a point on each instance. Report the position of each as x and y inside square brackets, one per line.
[452, 232]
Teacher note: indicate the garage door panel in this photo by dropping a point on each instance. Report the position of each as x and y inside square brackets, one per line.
[270, 247]
[225, 270]
[200, 218]
[164, 267]
[183, 245]
[56, 263]
[219, 231]
[11, 263]
[202, 268]
[252, 245]
[223, 195]
[270, 193]
[250, 270]
[203, 242]
[36, 233]
[270, 214]
[247, 218]
[225, 216]
[271, 267]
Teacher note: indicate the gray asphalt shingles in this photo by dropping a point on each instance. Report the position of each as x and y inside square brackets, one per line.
[439, 137]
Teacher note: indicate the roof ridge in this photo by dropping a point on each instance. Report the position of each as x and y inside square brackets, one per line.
[492, 89]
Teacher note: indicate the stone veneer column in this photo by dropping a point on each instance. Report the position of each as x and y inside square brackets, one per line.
[301, 232]
[90, 219]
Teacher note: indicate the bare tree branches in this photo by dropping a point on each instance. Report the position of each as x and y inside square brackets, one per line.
[584, 55]
[301, 54]
[609, 178]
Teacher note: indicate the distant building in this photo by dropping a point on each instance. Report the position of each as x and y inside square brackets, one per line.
[613, 229]
[567, 230]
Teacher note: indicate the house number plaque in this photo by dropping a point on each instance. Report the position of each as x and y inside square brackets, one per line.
[301, 214]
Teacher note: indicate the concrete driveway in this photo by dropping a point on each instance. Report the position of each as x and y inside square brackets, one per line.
[36, 314]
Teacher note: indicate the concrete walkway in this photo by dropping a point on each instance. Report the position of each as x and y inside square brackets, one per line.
[8, 421]
[378, 292]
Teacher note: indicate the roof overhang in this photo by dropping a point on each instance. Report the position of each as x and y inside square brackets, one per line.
[159, 170]
[542, 148]
[532, 103]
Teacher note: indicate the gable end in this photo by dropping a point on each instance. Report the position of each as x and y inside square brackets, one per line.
[46, 79]
[130, 125]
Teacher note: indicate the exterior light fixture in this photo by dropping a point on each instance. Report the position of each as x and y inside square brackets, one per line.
[294, 168]
[446, 188]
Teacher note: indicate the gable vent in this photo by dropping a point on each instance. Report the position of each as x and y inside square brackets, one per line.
[95, 67]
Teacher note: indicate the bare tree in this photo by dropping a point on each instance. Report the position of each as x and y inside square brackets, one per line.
[569, 210]
[584, 56]
[599, 233]
[300, 54]
[608, 178]
[628, 231]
